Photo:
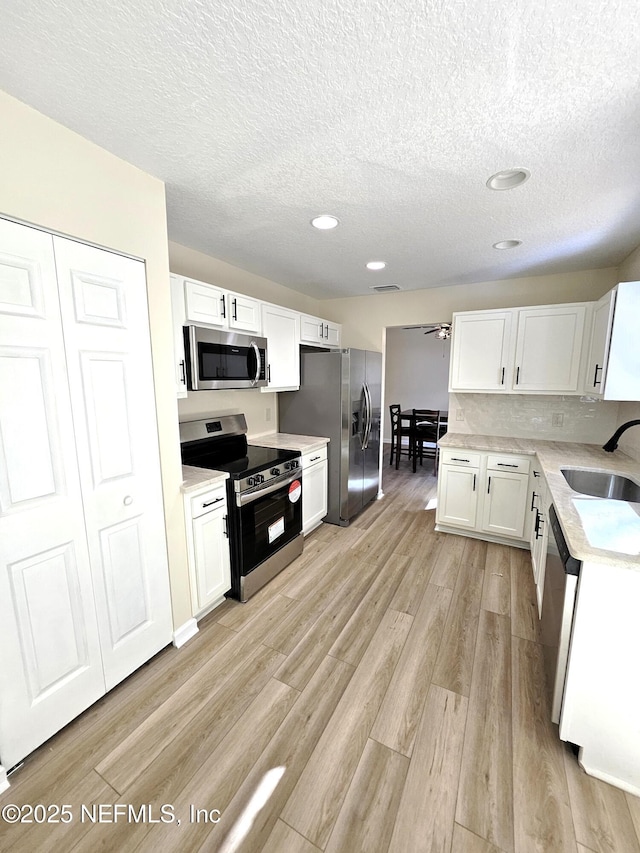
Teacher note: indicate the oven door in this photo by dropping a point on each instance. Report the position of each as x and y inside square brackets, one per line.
[219, 359]
[268, 519]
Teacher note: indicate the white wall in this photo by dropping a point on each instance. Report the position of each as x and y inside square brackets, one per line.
[416, 372]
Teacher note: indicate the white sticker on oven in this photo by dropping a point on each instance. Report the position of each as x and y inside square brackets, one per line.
[295, 490]
[276, 529]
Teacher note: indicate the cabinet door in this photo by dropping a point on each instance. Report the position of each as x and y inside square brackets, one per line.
[481, 354]
[206, 304]
[595, 376]
[457, 496]
[177, 310]
[281, 329]
[314, 495]
[333, 334]
[505, 503]
[211, 553]
[244, 313]
[548, 348]
[103, 299]
[311, 330]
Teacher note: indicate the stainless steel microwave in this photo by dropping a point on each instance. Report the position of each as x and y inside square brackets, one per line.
[218, 359]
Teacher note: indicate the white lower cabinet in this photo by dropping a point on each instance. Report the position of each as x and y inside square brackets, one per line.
[208, 548]
[483, 492]
[315, 469]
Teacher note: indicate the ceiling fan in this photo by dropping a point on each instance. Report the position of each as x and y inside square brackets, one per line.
[442, 331]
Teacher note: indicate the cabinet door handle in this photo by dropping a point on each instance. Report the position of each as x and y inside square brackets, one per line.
[224, 307]
[517, 375]
[474, 482]
[269, 373]
[596, 381]
[536, 473]
[489, 486]
[539, 525]
[327, 328]
[234, 302]
[226, 526]
[502, 380]
[211, 503]
[455, 459]
[533, 497]
[183, 372]
[322, 330]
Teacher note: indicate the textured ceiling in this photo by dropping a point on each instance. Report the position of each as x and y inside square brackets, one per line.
[390, 114]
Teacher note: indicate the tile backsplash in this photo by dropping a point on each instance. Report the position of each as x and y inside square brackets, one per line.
[558, 418]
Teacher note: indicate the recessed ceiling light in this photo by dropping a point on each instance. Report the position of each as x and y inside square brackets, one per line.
[376, 265]
[507, 244]
[508, 179]
[324, 222]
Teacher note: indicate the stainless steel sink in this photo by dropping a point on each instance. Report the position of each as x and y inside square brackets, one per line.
[602, 484]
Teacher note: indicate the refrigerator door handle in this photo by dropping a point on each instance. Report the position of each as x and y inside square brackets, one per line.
[368, 420]
[363, 417]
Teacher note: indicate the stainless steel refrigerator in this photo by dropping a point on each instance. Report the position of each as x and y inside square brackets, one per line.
[340, 398]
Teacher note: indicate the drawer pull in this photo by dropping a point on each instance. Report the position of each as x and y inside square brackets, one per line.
[455, 459]
[536, 473]
[315, 458]
[506, 465]
[211, 503]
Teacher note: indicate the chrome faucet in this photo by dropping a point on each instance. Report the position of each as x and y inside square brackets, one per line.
[611, 445]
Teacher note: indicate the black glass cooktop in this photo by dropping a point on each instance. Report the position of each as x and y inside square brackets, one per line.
[234, 456]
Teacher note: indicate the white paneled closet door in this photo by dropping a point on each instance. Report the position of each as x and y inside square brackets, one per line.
[103, 301]
[84, 584]
[50, 658]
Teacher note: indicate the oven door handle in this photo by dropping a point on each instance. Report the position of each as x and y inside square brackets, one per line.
[250, 497]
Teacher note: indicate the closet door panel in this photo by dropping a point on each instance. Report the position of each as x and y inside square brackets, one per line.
[106, 331]
[51, 662]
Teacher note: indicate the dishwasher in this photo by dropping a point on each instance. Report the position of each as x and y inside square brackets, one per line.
[558, 603]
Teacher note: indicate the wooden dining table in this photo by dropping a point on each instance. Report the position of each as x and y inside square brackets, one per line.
[407, 414]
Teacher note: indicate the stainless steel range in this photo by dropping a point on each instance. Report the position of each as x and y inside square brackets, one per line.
[264, 495]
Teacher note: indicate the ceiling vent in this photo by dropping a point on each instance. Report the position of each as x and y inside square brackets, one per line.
[385, 288]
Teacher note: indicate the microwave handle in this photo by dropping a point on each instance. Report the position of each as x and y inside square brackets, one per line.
[193, 350]
[255, 348]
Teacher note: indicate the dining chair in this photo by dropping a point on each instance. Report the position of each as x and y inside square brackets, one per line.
[426, 432]
[401, 427]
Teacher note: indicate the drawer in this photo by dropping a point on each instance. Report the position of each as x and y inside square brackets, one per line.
[208, 501]
[313, 457]
[515, 464]
[459, 457]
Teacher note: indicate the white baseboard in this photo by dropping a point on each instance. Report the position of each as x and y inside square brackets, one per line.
[184, 633]
[4, 782]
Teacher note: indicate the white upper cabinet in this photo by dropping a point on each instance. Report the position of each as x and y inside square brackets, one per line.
[548, 348]
[206, 304]
[520, 350]
[281, 328]
[177, 311]
[481, 357]
[319, 332]
[622, 368]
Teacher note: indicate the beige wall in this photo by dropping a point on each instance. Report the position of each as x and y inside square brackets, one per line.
[364, 317]
[630, 441]
[56, 179]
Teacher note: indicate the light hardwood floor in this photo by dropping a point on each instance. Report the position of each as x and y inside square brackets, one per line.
[395, 675]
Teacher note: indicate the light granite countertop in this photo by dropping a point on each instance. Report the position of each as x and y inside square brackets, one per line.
[194, 478]
[554, 455]
[289, 441]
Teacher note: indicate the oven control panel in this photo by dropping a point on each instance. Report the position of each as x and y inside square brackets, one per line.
[268, 475]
